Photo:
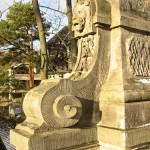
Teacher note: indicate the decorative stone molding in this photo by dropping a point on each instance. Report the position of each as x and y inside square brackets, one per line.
[86, 50]
[58, 107]
[137, 7]
[86, 36]
[138, 48]
[60, 104]
[66, 111]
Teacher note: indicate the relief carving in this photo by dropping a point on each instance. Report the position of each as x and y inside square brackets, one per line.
[82, 18]
[87, 51]
[66, 111]
[68, 108]
[137, 7]
[79, 21]
[139, 55]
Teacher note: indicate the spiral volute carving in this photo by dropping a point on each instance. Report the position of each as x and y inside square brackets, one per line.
[64, 111]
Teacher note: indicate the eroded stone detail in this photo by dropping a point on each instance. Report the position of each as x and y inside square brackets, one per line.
[87, 51]
[82, 18]
[137, 7]
[139, 55]
[65, 111]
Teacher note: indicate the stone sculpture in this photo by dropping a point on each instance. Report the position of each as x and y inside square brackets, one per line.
[82, 18]
[69, 107]
[104, 104]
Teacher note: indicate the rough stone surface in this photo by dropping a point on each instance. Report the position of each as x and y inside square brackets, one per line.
[78, 139]
[137, 114]
[125, 94]
[130, 139]
[113, 115]
[125, 116]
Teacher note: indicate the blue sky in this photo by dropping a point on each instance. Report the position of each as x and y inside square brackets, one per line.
[61, 4]
[5, 4]
[51, 15]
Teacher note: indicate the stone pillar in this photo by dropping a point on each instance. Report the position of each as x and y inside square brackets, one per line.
[125, 95]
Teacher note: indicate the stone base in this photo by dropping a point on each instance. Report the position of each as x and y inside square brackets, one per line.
[125, 115]
[115, 139]
[105, 146]
[65, 139]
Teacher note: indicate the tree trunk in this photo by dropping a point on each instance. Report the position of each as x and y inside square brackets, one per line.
[73, 50]
[44, 58]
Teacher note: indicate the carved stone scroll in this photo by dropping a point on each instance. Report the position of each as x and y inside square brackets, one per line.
[139, 55]
[61, 107]
[60, 103]
[65, 111]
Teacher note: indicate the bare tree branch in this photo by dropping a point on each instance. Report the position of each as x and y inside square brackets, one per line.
[54, 9]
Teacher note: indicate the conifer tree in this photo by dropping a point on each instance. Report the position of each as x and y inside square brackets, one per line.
[19, 30]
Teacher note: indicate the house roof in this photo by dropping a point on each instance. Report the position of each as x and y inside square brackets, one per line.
[63, 34]
[58, 47]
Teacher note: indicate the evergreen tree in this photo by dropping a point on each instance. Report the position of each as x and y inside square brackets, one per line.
[20, 30]
[15, 29]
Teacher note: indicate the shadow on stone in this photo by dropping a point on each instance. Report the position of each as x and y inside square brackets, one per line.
[2, 146]
[91, 113]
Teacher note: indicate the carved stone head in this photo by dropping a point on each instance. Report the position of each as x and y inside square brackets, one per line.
[79, 20]
[82, 18]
